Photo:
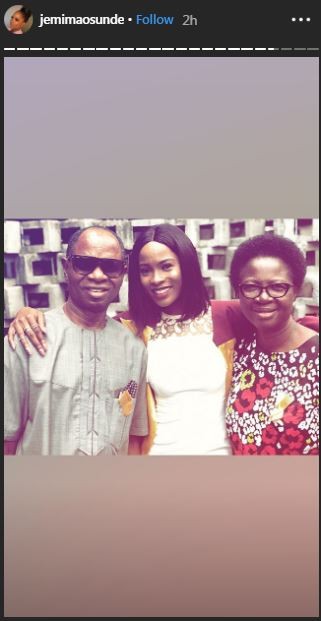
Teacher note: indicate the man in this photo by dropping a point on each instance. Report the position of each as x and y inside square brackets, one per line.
[88, 395]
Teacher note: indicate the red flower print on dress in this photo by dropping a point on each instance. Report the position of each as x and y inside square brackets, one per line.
[269, 435]
[236, 444]
[292, 438]
[288, 451]
[249, 449]
[268, 450]
[314, 451]
[264, 387]
[245, 401]
[294, 413]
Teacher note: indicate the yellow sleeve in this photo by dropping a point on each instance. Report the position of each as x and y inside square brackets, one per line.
[227, 350]
[149, 439]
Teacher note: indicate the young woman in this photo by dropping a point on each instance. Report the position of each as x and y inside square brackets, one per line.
[186, 370]
[18, 20]
[273, 406]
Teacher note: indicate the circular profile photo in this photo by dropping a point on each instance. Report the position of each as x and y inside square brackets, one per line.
[18, 19]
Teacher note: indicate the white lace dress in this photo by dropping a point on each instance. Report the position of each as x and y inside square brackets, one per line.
[187, 371]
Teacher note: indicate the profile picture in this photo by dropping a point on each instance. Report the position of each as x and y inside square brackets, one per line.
[18, 19]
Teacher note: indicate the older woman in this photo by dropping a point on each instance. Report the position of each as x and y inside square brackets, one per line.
[274, 397]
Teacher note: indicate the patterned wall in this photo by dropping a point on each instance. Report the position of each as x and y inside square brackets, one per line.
[33, 274]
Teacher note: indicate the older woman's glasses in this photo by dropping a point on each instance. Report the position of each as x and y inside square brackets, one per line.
[274, 290]
[86, 264]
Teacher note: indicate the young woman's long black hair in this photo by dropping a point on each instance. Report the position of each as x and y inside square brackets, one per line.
[194, 296]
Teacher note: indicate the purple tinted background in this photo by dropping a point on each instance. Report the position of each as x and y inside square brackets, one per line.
[127, 137]
[161, 537]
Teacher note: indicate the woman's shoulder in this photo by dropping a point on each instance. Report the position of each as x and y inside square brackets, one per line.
[311, 343]
[308, 337]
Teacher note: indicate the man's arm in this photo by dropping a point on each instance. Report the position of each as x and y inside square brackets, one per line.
[16, 396]
[139, 424]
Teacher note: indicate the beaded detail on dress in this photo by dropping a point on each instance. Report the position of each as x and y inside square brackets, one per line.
[173, 324]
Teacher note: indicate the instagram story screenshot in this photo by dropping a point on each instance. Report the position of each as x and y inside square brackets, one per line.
[161, 309]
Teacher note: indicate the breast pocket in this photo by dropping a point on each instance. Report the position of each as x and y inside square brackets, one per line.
[119, 411]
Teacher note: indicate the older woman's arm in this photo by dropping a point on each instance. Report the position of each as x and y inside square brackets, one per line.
[310, 321]
[230, 323]
[29, 326]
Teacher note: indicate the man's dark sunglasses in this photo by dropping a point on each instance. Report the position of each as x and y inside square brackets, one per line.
[86, 265]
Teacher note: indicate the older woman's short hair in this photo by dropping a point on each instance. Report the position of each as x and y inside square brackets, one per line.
[269, 246]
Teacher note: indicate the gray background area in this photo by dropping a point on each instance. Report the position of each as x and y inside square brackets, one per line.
[161, 137]
[33, 250]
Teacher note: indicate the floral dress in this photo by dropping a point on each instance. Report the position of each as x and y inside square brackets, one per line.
[273, 407]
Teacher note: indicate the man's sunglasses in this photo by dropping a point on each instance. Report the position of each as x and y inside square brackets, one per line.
[87, 264]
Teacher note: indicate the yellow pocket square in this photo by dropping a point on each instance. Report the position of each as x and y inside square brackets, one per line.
[126, 402]
[126, 397]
